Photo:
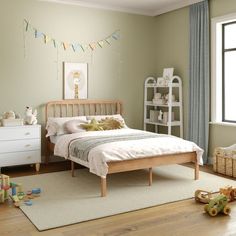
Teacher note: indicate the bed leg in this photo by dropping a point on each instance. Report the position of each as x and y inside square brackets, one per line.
[72, 169]
[196, 171]
[150, 176]
[103, 187]
[47, 152]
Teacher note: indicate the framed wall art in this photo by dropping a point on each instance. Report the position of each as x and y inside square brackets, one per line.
[75, 80]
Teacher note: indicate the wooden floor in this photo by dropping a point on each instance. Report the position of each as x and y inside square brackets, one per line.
[181, 218]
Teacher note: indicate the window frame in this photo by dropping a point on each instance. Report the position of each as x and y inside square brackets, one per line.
[216, 69]
[224, 51]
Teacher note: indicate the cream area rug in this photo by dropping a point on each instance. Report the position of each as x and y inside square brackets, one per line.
[65, 200]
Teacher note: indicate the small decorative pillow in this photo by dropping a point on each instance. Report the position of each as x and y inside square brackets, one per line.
[115, 116]
[55, 125]
[74, 126]
[92, 126]
[103, 124]
[111, 123]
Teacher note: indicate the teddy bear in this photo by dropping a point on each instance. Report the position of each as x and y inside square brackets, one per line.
[9, 115]
[30, 116]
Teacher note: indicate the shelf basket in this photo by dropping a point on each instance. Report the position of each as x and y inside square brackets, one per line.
[224, 161]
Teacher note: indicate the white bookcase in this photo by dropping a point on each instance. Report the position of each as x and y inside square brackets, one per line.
[171, 108]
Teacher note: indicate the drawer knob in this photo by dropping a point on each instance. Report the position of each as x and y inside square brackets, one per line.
[28, 157]
[27, 145]
[28, 133]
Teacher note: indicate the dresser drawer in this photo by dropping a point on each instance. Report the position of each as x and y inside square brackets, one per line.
[20, 132]
[20, 145]
[20, 158]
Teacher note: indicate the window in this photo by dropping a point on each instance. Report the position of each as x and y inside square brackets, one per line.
[223, 69]
[229, 72]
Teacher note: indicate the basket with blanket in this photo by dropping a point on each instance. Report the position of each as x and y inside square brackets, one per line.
[224, 161]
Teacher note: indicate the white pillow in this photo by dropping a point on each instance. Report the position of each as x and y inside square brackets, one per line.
[100, 117]
[73, 126]
[56, 125]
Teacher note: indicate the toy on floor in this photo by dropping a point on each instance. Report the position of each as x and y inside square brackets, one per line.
[229, 192]
[4, 187]
[203, 196]
[26, 198]
[217, 205]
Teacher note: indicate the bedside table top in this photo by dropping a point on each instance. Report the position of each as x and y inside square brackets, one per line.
[20, 126]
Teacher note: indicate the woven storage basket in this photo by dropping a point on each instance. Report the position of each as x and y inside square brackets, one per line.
[225, 161]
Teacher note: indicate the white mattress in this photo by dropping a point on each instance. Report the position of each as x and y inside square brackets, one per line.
[125, 150]
[54, 138]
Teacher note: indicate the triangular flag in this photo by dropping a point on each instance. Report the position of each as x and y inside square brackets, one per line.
[92, 46]
[75, 46]
[115, 36]
[83, 47]
[108, 40]
[65, 45]
[54, 43]
[46, 39]
[38, 34]
[101, 43]
[26, 25]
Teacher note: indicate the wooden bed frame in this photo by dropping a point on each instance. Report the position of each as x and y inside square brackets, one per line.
[67, 108]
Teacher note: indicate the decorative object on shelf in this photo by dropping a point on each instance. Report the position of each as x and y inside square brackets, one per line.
[168, 73]
[154, 115]
[160, 116]
[74, 46]
[9, 115]
[75, 80]
[165, 117]
[166, 97]
[30, 116]
[160, 81]
[10, 118]
[166, 100]
[224, 160]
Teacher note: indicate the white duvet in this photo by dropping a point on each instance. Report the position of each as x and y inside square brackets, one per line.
[124, 150]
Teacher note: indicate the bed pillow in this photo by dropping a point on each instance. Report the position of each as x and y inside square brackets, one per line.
[100, 117]
[74, 126]
[103, 124]
[56, 125]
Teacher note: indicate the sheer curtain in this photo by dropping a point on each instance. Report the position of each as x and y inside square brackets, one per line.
[199, 76]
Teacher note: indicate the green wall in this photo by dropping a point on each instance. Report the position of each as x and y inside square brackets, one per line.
[31, 72]
[172, 43]
[172, 37]
[115, 72]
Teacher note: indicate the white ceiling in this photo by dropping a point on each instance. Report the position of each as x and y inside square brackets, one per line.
[143, 7]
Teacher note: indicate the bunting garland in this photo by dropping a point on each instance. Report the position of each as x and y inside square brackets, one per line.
[75, 47]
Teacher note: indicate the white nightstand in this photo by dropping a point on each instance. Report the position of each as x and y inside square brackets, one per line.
[20, 145]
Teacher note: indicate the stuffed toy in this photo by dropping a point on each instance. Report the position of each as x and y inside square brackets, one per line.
[30, 116]
[104, 124]
[111, 123]
[229, 192]
[92, 126]
[9, 115]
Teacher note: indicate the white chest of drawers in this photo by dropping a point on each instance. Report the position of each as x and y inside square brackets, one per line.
[20, 145]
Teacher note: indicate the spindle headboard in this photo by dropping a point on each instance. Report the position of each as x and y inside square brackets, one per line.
[82, 107]
[79, 107]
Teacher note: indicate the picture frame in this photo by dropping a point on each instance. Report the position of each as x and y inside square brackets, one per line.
[168, 73]
[75, 80]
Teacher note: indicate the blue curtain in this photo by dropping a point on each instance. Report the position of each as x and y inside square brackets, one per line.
[199, 76]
